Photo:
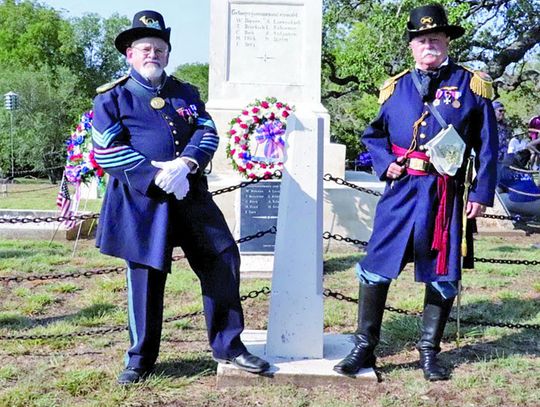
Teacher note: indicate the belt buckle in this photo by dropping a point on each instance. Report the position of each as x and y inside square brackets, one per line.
[418, 164]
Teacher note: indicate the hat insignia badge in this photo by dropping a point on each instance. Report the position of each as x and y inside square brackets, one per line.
[150, 22]
[426, 22]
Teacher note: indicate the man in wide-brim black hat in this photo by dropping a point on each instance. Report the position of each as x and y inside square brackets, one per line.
[430, 119]
[154, 137]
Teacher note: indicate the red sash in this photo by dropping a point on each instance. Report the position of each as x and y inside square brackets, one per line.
[445, 196]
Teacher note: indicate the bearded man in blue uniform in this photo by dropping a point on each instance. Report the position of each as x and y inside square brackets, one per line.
[154, 138]
[431, 119]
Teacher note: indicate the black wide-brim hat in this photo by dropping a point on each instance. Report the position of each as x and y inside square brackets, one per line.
[429, 19]
[146, 23]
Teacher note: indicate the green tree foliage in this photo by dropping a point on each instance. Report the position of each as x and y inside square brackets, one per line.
[49, 106]
[197, 75]
[54, 65]
[32, 35]
[364, 43]
[94, 39]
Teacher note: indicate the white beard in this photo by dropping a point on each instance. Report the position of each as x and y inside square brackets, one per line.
[151, 71]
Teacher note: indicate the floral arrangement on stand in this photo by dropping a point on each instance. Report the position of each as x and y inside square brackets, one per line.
[256, 145]
[81, 166]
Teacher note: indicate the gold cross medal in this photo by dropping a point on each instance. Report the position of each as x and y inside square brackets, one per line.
[157, 103]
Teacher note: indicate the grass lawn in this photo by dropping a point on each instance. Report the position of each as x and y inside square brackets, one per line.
[492, 367]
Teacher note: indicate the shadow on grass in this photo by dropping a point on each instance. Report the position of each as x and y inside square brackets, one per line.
[187, 367]
[339, 264]
[402, 332]
[17, 322]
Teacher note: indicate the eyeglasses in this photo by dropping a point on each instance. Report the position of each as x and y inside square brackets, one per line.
[148, 50]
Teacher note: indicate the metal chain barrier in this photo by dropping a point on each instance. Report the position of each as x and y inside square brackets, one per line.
[339, 238]
[91, 273]
[254, 294]
[26, 172]
[341, 297]
[76, 274]
[341, 181]
[275, 175]
[32, 190]
[327, 235]
[50, 219]
[101, 331]
[507, 261]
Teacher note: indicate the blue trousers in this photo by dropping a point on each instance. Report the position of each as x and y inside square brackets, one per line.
[447, 289]
[220, 280]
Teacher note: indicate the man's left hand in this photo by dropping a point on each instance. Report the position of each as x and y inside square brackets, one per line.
[475, 209]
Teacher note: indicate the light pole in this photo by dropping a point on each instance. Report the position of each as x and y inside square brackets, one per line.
[11, 103]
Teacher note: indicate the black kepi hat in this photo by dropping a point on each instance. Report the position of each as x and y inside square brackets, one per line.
[146, 23]
[431, 18]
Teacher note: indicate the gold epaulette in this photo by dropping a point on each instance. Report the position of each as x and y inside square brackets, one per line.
[110, 85]
[481, 83]
[389, 86]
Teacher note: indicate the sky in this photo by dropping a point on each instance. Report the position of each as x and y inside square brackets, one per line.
[189, 21]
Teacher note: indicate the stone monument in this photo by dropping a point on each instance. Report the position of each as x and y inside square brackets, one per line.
[259, 49]
[272, 48]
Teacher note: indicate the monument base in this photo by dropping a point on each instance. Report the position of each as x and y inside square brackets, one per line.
[299, 372]
[256, 265]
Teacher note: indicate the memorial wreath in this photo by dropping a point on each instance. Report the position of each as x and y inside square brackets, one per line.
[256, 144]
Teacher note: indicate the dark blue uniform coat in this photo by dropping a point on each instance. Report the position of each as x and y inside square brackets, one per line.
[139, 222]
[405, 215]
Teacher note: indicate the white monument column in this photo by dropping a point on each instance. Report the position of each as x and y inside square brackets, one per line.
[295, 326]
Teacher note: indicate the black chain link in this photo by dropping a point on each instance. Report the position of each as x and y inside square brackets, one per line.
[341, 181]
[272, 231]
[91, 273]
[76, 274]
[339, 238]
[328, 235]
[101, 331]
[275, 175]
[26, 172]
[31, 190]
[254, 294]
[341, 297]
[50, 219]
[507, 261]
[516, 218]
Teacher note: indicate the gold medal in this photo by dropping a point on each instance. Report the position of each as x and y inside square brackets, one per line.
[456, 104]
[157, 103]
[436, 102]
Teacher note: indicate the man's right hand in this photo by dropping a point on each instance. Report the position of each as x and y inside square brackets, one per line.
[395, 170]
[172, 176]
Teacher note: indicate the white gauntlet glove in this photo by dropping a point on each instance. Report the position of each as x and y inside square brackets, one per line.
[172, 177]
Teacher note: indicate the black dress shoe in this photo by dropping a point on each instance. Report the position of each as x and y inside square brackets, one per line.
[132, 375]
[248, 362]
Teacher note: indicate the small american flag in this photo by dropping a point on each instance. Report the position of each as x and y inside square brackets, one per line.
[63, 202]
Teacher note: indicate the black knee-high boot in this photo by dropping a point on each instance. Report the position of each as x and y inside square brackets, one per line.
[371, 301]
[436, 312]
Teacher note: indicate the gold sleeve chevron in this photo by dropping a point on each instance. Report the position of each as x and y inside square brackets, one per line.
[481, 83]
[110, 85]
[388, 87]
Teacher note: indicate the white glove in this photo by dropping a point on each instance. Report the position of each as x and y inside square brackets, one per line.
[182, 190]
[171, 174]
